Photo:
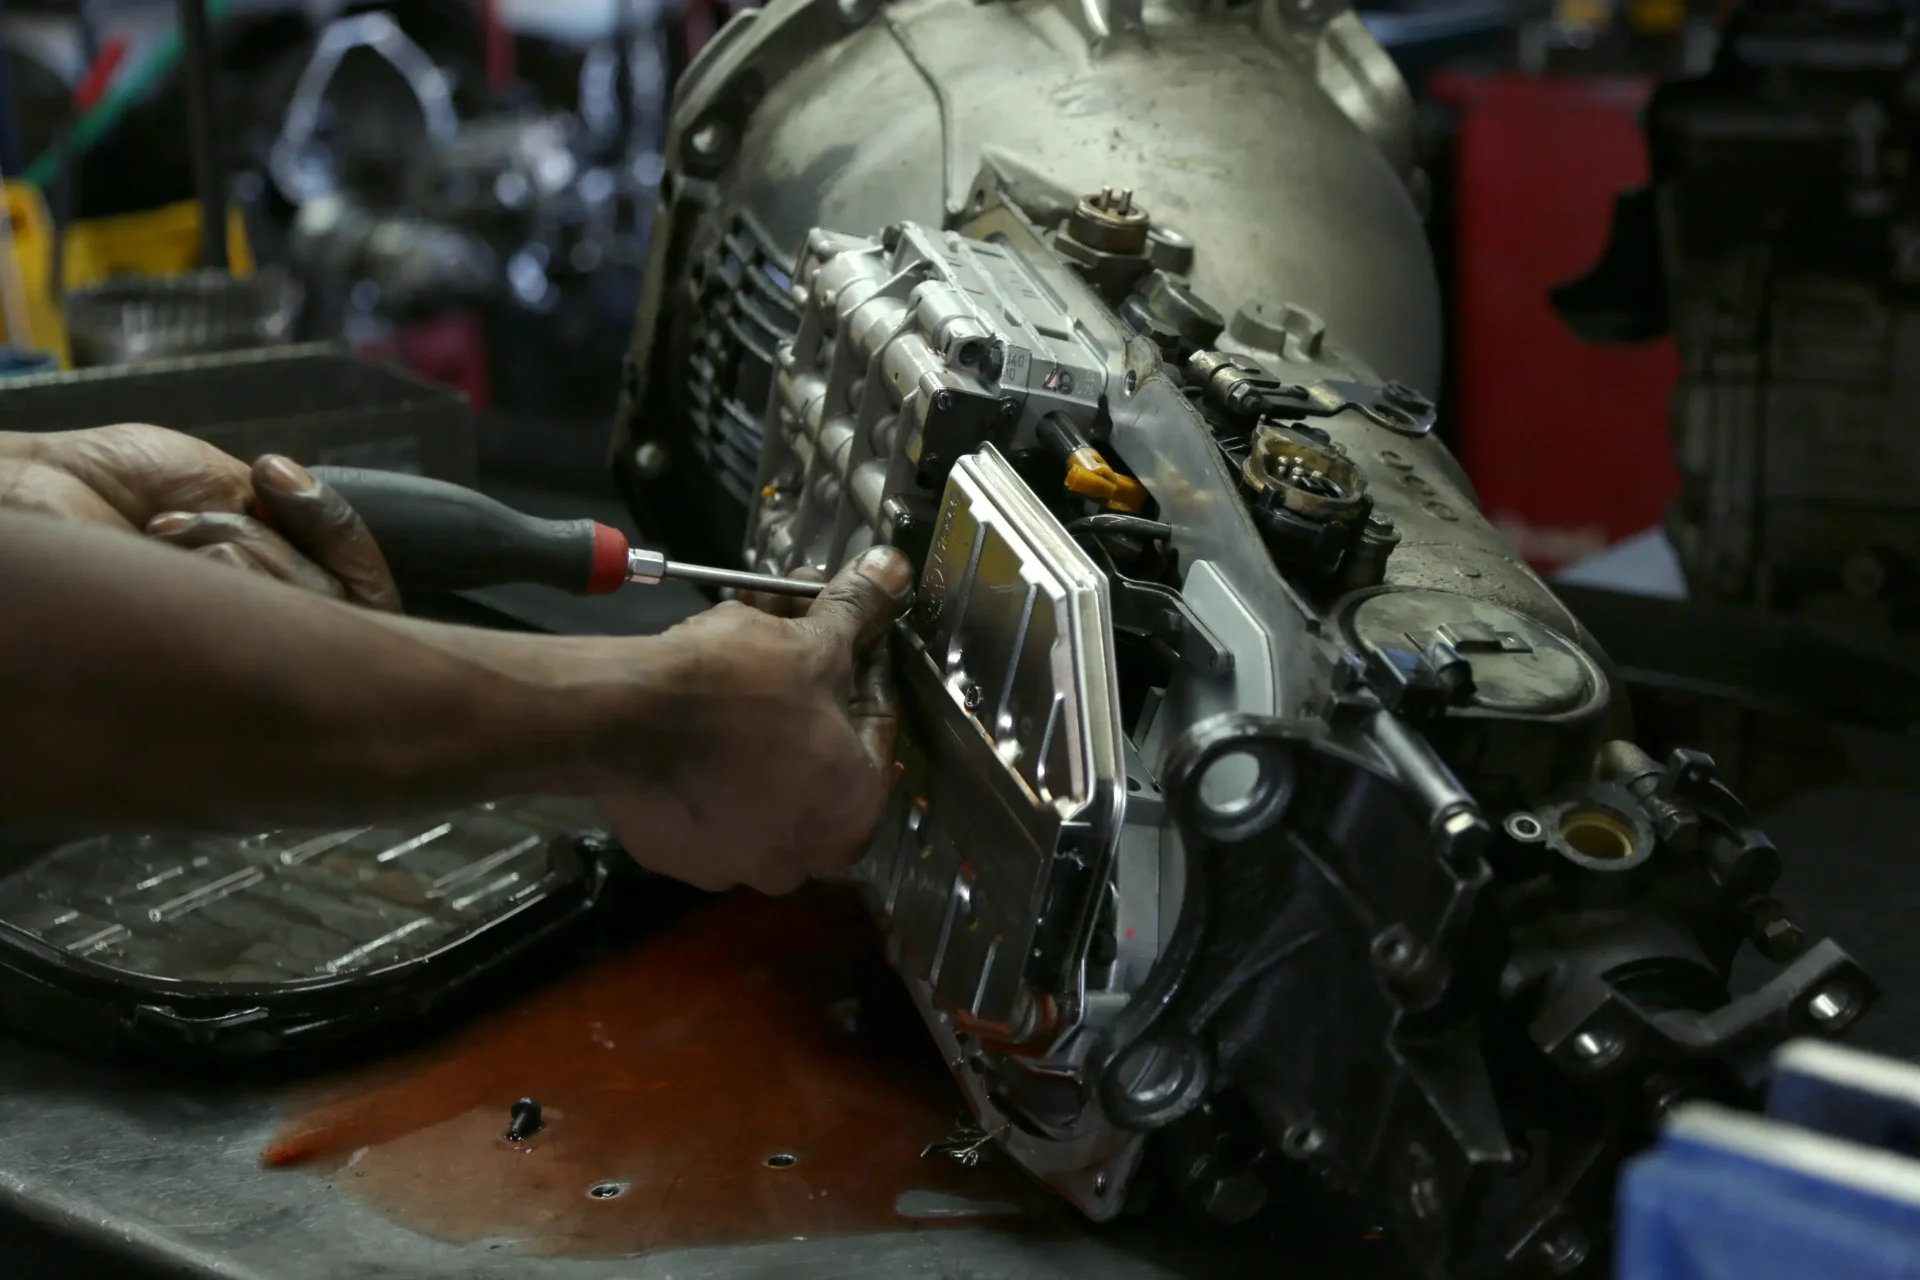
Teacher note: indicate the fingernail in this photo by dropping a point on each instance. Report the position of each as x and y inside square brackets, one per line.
[889, 569]
[168, 523]
[288, 476]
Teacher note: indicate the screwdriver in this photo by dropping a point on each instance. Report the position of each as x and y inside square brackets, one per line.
[438, 536]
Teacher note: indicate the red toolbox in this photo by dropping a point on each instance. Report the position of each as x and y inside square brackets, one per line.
[1566, 441]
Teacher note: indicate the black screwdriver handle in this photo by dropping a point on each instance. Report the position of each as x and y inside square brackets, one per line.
[443, 537]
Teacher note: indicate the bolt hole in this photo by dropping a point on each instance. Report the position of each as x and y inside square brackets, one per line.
[1242, 788]
[1230, 786]
[1133, 784]
[1303, 1141]
[1157, 1075]
[782, 1160]
[607, 1190]
[1597, 835]
[1524, 827]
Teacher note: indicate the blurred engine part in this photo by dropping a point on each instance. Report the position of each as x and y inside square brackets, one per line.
[1261, 816]
[864, 115]
[1778, 241]
[408, 209]
[368, 81]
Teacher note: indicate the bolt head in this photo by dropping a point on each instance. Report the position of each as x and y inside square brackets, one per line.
[650, 460]
[708, 139]
[1234, 1199]
[1597, 1048]
[1405, 397]
[1423, 1198]
[1780, 939]
[1834, 1007]
[1395, 951]
[1564, 1250]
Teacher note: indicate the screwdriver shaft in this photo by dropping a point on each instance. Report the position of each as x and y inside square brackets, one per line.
[651, 566]
[742, 580]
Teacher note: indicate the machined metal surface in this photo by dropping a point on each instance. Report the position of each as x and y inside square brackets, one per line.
[902, 360]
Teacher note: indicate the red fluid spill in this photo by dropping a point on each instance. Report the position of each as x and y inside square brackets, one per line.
[671, 1075]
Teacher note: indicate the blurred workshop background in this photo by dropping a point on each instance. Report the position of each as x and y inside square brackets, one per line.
[467, 186]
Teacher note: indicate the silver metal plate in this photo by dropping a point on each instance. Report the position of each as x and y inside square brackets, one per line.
[1004, 822]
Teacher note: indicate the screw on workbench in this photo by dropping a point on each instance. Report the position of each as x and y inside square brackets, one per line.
[526, 1120]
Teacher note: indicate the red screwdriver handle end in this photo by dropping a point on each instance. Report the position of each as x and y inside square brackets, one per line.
[609, 561]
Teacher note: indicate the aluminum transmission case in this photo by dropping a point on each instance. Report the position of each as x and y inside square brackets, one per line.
[1259, 813]
[1275, 140]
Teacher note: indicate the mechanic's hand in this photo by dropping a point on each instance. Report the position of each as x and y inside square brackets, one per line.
[341, 558]
[131, 476]
[773, 738]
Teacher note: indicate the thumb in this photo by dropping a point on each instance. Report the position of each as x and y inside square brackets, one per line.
[323, 527]
[855, 609]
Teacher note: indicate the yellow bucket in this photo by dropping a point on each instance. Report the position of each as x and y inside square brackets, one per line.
[160, 242]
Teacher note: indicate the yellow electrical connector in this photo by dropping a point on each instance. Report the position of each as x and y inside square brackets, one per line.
[1090, 476]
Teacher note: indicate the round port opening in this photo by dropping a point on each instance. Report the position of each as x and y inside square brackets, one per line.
[1597, 835]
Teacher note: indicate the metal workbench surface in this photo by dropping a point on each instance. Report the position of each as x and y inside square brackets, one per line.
[167, 1180]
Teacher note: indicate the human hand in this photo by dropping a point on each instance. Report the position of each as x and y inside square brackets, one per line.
[771, 738]
[186, 493]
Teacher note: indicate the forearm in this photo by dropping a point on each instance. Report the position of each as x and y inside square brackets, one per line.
[141, 686]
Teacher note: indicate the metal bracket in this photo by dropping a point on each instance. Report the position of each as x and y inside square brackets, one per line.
[1162, 614]
[1242, 387]
[1394, 406]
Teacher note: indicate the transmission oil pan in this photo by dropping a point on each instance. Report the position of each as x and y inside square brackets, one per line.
[239, 946]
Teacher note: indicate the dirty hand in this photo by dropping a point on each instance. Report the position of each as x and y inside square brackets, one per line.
[771, 738]
[186, 493]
